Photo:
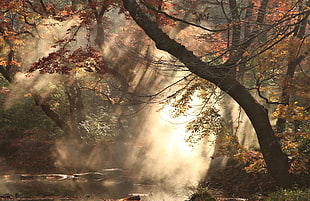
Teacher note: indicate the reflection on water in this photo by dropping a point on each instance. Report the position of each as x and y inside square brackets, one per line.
[108, 184]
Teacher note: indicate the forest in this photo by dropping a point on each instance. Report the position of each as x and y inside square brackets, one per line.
[207, 97]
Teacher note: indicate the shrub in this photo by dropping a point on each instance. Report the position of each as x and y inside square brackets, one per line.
[290, 195]
[202, 194]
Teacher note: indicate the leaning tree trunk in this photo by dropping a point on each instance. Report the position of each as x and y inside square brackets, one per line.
[276, 161]
[39, 100]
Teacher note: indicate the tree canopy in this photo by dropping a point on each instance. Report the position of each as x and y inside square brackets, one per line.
[255, 51]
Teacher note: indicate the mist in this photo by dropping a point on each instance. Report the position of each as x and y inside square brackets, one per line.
[155, 155]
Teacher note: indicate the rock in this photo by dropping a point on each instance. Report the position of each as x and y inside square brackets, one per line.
[90, 176]
[7, 196]
[132, 198]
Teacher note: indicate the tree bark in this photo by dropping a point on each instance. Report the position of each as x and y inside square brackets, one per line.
[100, 28]
[76, 108]
[276, 161]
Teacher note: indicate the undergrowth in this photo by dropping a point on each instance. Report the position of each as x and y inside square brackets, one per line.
[294, 194]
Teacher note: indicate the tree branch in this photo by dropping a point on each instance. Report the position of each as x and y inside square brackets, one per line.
[276, 160]
[178, 19]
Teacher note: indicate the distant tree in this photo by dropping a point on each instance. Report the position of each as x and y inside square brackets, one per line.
[75, 54]
[26, 22]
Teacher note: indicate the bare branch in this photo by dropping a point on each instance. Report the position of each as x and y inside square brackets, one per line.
[180, 20]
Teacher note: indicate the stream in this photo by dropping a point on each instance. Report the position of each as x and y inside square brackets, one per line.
[108, 184]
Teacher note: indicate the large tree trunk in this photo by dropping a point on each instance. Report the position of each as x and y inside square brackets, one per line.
[276, 161]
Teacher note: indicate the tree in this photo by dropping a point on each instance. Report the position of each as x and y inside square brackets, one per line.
[242, 35]
[222, 75]
[22, 19]
[72, 53]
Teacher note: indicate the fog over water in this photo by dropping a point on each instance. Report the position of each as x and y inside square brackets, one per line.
[156, 162]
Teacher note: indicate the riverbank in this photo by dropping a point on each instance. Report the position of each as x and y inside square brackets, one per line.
[30, 156]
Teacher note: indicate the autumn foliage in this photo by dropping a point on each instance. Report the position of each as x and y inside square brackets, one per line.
[257, 48]
[63, 61]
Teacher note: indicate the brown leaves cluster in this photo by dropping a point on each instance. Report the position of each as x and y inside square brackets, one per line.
[63, 61]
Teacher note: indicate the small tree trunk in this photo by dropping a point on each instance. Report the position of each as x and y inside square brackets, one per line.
[76, 107]
[55, 117]
[293, 62]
